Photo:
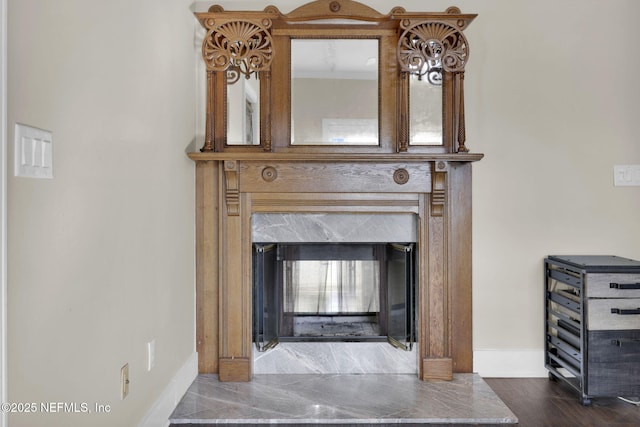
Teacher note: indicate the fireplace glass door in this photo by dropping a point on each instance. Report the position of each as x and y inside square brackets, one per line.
[333, 292]
[265, 305]
[400, 295]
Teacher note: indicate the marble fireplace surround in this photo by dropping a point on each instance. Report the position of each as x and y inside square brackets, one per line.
[234, 188]
[334, 357]
[333, 228]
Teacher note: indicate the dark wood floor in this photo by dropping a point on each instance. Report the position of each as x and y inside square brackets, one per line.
[540, 402]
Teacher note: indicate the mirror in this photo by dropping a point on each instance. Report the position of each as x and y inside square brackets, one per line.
[243, 108]
[425, 108]
[334, 92]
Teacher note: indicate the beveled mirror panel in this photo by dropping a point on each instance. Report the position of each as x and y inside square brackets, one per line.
[425, 109]
[334, 92]
[243, 109]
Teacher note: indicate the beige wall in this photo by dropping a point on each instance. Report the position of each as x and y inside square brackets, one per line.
[553, 105]
[551, 97]
[101, 258]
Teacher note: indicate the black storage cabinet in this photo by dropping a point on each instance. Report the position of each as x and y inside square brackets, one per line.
[592, 324]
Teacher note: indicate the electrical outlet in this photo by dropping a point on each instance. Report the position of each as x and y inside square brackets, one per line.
[151, 354]
[124, 381]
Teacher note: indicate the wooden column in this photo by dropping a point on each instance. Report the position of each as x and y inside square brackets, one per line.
[436, 362]
[207, 233]
[461, 127]
[403, 116]
[235, 287]
[460, 271]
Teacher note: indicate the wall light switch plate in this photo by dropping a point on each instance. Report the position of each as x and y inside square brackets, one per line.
[33, 149]
[626, 175]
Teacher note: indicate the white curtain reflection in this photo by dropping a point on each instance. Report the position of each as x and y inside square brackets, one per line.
[338, 287]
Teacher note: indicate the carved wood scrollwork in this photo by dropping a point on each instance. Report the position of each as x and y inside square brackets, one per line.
[232, 188]
[244, 46]
[438, 193]
[431, 45]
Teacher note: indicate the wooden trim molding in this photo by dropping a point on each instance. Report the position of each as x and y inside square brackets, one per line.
[232, 192]
[438, 193]
[235, 369]
[437, 368]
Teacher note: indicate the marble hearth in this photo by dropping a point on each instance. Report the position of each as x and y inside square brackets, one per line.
[340, 400]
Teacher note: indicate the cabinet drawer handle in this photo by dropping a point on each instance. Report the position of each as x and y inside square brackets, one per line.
[624, 285]
[628, 342]
[625, 311]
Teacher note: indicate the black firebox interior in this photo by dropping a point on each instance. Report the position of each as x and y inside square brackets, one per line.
[333, 292]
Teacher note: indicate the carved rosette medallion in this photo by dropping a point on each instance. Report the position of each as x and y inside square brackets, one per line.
[428, 46]
[243, 47]
[401, 176]
[269, 173]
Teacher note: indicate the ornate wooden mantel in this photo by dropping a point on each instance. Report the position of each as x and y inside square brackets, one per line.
[233, 182]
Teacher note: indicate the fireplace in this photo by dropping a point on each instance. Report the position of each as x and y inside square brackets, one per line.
[328, 292]
[412, 172]
[337, 328]
[436, 200]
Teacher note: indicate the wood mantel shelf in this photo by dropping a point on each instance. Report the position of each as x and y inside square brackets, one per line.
[336, 157]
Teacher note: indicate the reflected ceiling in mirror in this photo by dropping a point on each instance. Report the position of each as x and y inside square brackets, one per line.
[334, 91]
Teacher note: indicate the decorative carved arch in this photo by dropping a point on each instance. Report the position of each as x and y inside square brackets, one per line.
[333, 9]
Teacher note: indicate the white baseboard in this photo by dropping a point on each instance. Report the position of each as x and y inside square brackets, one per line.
[509, 363]
[158, 415]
